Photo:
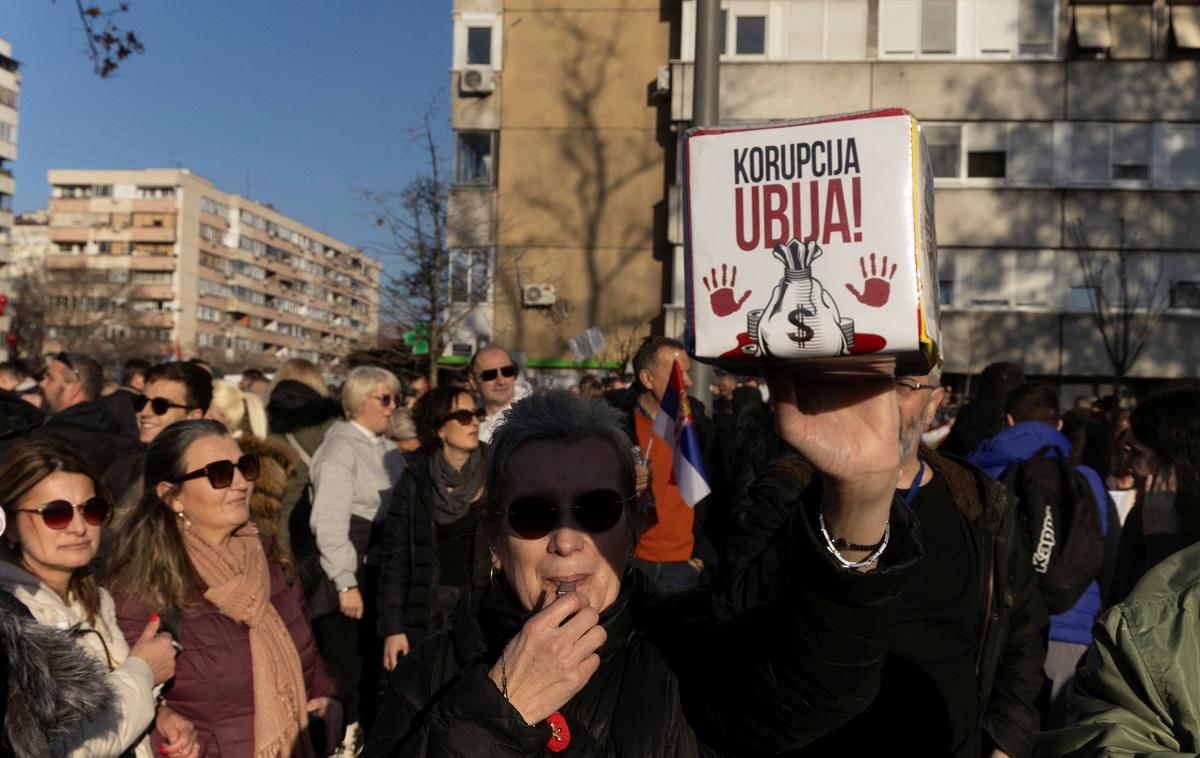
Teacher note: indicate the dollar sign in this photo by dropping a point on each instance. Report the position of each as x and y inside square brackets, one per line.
[804, 332]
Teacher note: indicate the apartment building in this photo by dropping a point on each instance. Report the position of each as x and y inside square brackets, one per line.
[156, 262]
[1054, 127]
[10, 88]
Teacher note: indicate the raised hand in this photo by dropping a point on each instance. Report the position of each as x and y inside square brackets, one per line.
[551, 659]
[877, 286]
[722, 299]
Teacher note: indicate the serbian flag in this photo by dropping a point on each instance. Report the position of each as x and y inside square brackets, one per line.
[674, 423]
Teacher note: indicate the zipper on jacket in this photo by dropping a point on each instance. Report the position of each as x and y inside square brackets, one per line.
[987, 610]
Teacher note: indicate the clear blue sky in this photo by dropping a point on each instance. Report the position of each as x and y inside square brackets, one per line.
[311, 98]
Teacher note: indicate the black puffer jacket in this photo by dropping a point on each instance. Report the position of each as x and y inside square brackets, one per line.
[90, 429]
[674, 678]
[1013, 622]
[408, 580]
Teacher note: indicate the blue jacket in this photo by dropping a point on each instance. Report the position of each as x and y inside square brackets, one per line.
[1018, 443]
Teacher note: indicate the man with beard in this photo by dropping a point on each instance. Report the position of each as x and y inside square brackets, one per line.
[964, 669]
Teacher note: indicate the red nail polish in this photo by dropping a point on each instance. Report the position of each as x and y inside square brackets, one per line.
[162, 749]
[153, 618]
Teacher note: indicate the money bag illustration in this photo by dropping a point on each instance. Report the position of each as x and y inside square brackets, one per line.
[801, 318]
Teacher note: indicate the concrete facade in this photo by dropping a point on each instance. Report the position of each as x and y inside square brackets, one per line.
[1061, 129]
[156, 261]
[10, 89]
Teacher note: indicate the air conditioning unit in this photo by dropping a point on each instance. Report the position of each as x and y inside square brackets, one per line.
[476, 80]
[538, 296]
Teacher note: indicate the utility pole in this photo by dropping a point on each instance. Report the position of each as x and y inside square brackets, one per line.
[706, 102]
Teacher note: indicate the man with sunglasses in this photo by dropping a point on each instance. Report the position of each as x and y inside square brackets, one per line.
[965, 665]
[493, 378]
[173, 392]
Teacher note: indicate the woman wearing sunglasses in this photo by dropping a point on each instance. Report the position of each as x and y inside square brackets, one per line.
[567, 646]
[429, 535]
[352, 476]
[55, 510]
[248, 675]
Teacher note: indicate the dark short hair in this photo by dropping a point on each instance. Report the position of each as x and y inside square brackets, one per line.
[255, 374]
[16, 368]
[646, 357]
[430, 411]
[133, 367]
[196, 381]
[1033, 401]
[86, 370]
[1169, 424]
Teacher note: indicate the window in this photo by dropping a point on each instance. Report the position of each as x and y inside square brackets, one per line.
[1183, 155]
[945, 145]
[1185, 295]
[946, 292]
[751, 35]
[216, 289]
[8, 132]
[211, 233]
[6, 202]
[1131, 150]
[1101, 153]
[204, 339]
[8, 97]
[1185, 29]
[211, 315]
[1089, 153]
[1081, 298]
[987, 151]
[475, 158]
[938, 26]
[469, 277]
[967, 28]
[479, 45]
[1036, 23]
[826, 29]
[158, 220]
[150, 277]
[208, 205]
[154, 192]
[723, 30]
[254, 246]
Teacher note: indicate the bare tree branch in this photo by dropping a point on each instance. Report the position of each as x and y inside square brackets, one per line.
[108, 45]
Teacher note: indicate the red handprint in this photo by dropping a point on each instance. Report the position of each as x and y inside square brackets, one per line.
[876, 288]
[722, 298]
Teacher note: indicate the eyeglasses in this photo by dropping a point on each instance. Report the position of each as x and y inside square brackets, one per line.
[220, 473]
[596, 511]
[159, 405]
[464, 416]
[385, 400]
[489, 375]
[912, 385]
[58, 514]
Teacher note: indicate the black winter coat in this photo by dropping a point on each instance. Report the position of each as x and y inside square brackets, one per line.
[90, 429]
[408, 580]
[675, 679]
[1013, 622]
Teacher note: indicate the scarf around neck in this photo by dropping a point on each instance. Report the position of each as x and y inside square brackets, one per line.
[467, 483]
[239, 585]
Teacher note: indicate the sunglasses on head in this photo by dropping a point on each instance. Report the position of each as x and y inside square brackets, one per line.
[58, 514]
[596, 511]
[159, 405]
[464, 416]
[489, 375]
[220, 473]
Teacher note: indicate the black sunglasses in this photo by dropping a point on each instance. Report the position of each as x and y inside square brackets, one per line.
[159, 405]
[597, 511]
[489, 375]
[220, 473]
[58, 514]
[464, 416]
[386, 400]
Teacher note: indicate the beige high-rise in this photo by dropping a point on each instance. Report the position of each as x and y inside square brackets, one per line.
[149, 261]
[10, 89]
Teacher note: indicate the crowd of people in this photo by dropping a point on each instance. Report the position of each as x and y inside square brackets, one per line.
[288, 566]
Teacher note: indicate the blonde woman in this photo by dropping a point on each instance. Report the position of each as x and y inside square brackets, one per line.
[243, 415]
[352, 477]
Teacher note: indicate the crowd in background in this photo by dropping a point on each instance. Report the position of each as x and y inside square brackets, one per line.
[302, 564]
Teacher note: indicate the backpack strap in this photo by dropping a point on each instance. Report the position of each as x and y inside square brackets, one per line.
[300, 451]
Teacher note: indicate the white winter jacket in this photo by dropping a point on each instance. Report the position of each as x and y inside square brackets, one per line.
[130, 679]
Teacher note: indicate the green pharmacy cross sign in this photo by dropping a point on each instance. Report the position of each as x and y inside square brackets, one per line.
[418, 339]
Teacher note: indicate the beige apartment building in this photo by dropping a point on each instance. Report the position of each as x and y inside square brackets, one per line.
[158, 261]
[10, 88]
[1054, 127]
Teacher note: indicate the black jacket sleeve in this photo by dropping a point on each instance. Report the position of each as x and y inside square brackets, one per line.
[1011, 718]
[394, 574]
[780, 674]
[754, 546]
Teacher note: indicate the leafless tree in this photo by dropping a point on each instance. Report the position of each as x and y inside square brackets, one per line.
[1126, 295]
[86, 315]
[108, 44]
[421, 294]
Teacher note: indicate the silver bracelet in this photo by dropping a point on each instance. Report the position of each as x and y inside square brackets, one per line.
[887, 532]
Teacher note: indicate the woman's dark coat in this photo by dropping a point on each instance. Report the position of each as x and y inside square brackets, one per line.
[674, 679]
[408, 580]
[214, 682]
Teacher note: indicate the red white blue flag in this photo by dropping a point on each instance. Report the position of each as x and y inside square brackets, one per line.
[675, 424]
